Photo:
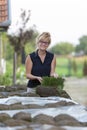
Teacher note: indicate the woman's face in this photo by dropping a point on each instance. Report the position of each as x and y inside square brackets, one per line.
[43, 45]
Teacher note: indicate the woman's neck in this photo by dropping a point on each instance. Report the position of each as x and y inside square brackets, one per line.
[41, 52]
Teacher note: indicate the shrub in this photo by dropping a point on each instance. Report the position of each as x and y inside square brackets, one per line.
[85, 68]
[5, 80]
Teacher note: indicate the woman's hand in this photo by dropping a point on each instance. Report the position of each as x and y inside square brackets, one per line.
[55, 75]
[39, 79]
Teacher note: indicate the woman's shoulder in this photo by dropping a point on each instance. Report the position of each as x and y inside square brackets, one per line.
[50, 53]
[32, 53]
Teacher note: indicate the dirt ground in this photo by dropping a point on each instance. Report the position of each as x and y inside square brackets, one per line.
[77, 89]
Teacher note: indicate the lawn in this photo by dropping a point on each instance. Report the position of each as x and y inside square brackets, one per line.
[72, 66]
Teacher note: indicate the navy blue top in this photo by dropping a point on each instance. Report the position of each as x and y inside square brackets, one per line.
[39, 68]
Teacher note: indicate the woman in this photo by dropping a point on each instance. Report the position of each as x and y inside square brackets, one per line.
[40, 63]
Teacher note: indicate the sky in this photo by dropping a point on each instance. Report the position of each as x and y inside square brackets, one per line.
[66, 20]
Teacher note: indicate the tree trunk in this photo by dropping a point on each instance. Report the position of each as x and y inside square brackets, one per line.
[23, 56]
[14, 67]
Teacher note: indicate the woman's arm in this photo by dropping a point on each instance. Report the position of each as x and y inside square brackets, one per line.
[28, 66]
[53, 66]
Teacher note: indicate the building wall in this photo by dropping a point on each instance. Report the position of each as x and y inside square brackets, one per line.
[3, 10]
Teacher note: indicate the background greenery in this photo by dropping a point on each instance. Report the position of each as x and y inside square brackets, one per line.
[71, 60]
[62, 68]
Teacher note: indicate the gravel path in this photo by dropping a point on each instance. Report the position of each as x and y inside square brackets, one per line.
[77, 89]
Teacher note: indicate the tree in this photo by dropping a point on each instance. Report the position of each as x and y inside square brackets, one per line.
[63, 48]
[74, 66]
[20, 37]
[83, 45]
[85, 68]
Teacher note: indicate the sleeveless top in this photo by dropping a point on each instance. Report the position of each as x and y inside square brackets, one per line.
[40, 69]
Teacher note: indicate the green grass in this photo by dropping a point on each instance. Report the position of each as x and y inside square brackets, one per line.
[63, 68]
[57, 83]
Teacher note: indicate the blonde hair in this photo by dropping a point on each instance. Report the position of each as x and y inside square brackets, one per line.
[45, 36]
